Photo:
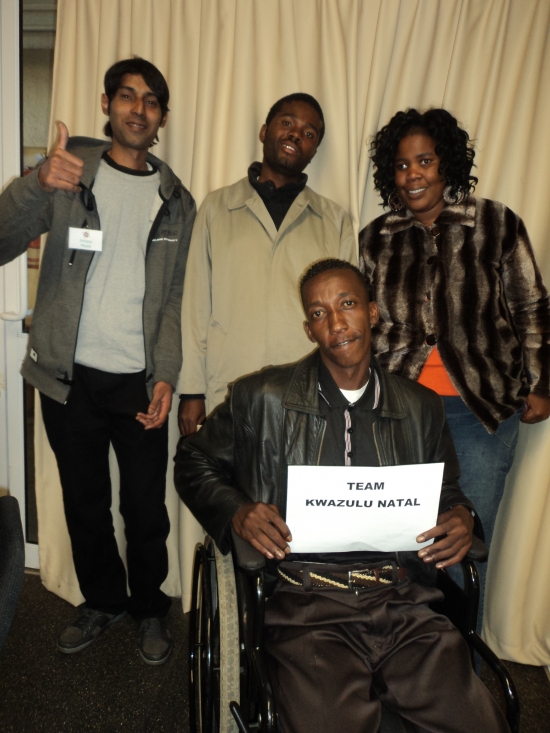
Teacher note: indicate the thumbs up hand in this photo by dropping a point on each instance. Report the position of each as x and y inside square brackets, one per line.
[62, 170]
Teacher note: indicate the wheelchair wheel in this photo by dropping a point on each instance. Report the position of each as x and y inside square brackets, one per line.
[214, 663]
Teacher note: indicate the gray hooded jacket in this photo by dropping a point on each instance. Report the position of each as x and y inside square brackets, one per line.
[27, 211]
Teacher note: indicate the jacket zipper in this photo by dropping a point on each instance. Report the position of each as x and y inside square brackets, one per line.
[163, 210]
[84, 225]
[376, 444]
[160, 213]
[321, 442]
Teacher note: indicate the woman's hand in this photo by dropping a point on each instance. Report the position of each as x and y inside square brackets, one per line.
[536, 409]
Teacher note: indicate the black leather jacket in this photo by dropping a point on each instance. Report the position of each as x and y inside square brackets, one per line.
[271, 419]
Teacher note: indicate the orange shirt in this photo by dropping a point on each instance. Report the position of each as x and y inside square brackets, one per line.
[435, 376]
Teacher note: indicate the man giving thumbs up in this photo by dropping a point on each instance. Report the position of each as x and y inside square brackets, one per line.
[104, 348]
[62, 170]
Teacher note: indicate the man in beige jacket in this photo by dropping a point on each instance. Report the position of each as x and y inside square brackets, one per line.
[250, 244]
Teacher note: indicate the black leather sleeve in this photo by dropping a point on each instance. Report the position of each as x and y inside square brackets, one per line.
[204, 474]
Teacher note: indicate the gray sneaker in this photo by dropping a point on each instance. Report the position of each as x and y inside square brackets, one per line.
[155, 641]
[85, 630]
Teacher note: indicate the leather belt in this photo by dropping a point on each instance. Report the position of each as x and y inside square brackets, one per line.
[335, 578]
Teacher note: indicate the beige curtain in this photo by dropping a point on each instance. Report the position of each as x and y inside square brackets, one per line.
[226, 62]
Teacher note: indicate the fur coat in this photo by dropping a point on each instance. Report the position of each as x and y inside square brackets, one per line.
[470, 285]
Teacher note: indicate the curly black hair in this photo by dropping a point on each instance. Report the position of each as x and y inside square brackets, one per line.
[332, 264]
[452, 145]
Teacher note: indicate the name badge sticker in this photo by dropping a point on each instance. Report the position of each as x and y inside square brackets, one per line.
[86, 239]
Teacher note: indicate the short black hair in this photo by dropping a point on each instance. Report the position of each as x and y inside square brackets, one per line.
[326, 266]
[151, 75]
[452, 145]
[298, 97]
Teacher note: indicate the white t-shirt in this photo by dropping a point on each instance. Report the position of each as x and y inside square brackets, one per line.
[352, 395]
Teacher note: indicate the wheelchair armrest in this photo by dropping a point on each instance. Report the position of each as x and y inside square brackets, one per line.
[246, 556]
[478, 551]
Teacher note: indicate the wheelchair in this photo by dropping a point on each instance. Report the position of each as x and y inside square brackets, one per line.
[229, 687]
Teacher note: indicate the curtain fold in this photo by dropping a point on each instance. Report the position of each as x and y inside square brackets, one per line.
[226, 62]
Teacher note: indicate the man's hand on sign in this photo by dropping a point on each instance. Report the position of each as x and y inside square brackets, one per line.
[262, 526]
[62, 170]
[454, 528]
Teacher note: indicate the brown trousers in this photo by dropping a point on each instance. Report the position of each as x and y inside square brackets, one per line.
[326, 648]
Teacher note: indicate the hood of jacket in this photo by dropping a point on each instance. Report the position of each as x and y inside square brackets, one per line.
[90, 150]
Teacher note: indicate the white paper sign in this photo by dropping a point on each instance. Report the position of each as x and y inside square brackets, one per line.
[88, 239]
[351, 508]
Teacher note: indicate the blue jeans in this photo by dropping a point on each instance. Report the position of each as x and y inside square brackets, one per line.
[485, 460]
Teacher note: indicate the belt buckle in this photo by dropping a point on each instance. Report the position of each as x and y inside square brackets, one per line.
[351, 573]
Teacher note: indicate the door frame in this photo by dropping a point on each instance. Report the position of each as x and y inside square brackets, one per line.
[13, 280]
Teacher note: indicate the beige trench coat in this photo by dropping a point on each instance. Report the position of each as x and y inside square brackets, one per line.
[241, 308]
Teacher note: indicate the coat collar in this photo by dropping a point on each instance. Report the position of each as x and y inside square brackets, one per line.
[302, 393]
[243, 194]
[462, 214]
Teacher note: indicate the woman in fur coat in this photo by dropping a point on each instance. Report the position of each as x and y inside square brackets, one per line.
[463, 308]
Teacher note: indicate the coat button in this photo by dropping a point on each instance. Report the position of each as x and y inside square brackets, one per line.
[431, 339]
[431, 260]
[435, 231]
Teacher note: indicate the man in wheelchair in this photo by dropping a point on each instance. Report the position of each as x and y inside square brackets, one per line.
[339, 624]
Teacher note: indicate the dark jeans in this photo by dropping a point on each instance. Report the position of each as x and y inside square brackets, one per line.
[326, 648]
[485, 460]
[101, 410]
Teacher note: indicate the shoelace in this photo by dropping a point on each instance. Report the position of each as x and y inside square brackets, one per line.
[88, 619]
[152, 628]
